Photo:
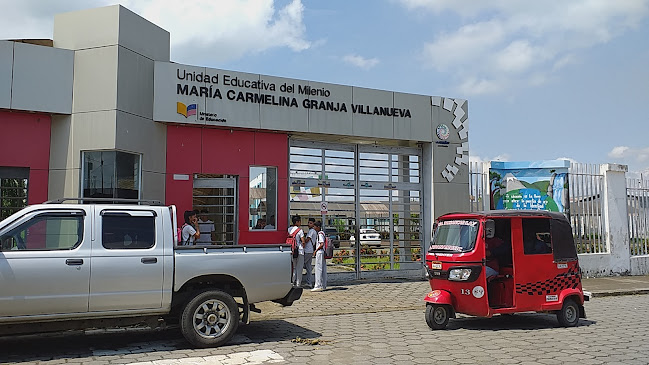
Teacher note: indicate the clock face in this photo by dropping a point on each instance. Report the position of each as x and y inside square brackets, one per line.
[442, 131]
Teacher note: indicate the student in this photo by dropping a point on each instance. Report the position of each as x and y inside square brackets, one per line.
[190, 230]
[309, 246]
[320, 262]
[298, 262]
[206, 226]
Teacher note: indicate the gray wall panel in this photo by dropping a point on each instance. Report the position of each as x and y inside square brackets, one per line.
[327, 121]
[60, 142]
[450, 197]
[6, 65]
[135, 83]
[369, 125]
[444, 155]
[95, 79]
[418, 126]
[144, 136]
[284, 118]
[42, 79]
[142, 36]
[89, 28]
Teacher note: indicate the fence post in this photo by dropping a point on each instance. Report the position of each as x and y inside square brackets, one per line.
[616, 226]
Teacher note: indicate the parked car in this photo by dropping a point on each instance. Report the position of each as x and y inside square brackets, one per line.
[333, 234]
[368, 236]
[75, 266]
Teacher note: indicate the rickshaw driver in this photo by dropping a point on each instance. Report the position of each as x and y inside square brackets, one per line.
[496, 250]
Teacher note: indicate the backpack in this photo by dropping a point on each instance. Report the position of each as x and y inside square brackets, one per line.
[290, 240]
[180, 234]
[328, 248]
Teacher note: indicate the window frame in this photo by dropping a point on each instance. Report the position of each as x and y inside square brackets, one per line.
[79, 214]
[123, 213]
[83, 171]
[268, 214]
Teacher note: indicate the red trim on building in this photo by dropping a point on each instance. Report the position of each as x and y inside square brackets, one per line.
[25, 142]
[194, 149]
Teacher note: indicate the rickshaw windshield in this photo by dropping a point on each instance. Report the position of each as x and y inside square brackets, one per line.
[455, 236]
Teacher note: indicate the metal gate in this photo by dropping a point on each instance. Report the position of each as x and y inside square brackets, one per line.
[373, 196]
[217, 195]
[637, 192]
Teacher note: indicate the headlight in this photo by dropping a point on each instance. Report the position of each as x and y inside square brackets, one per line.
[459, 274]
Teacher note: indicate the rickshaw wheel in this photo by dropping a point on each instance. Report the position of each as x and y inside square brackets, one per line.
[568, 316]
[437, 316]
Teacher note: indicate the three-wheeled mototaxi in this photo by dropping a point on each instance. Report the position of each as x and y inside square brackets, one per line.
[503, 262]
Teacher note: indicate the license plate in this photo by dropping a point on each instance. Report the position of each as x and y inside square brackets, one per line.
[436, 265]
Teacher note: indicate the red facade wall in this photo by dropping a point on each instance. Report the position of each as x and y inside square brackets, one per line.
[25, 142]
[193, 150]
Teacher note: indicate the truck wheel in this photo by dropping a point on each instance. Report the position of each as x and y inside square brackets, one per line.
[437, 316]
[568, 316]
[210, 319]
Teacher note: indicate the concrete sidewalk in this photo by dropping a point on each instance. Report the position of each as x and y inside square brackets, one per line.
[366, 296]
[616, 285]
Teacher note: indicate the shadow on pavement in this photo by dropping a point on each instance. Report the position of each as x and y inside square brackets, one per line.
[116, 342]
[519, 321]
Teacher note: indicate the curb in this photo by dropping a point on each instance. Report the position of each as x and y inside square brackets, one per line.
[616, 293]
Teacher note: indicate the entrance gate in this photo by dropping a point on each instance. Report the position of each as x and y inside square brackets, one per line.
[373, 196]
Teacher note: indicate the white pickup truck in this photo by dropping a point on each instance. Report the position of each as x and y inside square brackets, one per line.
[72, 266]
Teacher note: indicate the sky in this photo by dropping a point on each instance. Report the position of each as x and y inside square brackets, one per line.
[544, 79]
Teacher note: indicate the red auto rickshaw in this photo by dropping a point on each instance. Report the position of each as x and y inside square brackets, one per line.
[503, 262]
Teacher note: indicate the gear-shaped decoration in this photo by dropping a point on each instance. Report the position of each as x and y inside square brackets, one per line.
[461, 125]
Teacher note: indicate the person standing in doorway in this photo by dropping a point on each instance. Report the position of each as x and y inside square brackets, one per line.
[309, 246]
[190, 230]
[206, 226]
[298, 262]
[320, 262]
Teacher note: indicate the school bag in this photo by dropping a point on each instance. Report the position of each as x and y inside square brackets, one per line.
[328, 248]
[180, 234]
[290, 240]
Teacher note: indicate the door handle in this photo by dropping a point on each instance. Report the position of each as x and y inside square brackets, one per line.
[74, 262]
[149, 260]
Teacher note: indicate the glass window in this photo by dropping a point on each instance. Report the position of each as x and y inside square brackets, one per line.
[121, 231]
[13, 190]
[455, 235]
[536, 236]
[52, 231]
[263, 198]
[111, 174]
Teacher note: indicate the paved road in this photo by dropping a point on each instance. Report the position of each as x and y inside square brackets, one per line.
[615, 332]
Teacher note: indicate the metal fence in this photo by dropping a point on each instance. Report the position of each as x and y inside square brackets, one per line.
[478, 186]
[586, 207]
[585, 204]
[637, 193]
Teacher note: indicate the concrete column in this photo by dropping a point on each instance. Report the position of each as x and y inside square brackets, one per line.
[616, 226]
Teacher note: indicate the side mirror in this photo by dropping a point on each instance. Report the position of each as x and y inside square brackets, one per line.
[434, 229]
[489, 228]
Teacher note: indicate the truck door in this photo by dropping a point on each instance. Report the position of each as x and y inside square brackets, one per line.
[44, 263]
[127, 261]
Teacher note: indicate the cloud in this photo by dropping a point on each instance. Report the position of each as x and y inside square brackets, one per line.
[516, 44]
[619, 152]
[360, 61]
[201, 30]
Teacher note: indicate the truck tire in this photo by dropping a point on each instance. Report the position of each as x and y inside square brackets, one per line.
[210, 319]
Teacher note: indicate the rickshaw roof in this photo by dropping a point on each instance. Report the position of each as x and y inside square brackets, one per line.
[511, 213]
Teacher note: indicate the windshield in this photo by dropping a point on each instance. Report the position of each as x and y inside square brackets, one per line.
[455, 236]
